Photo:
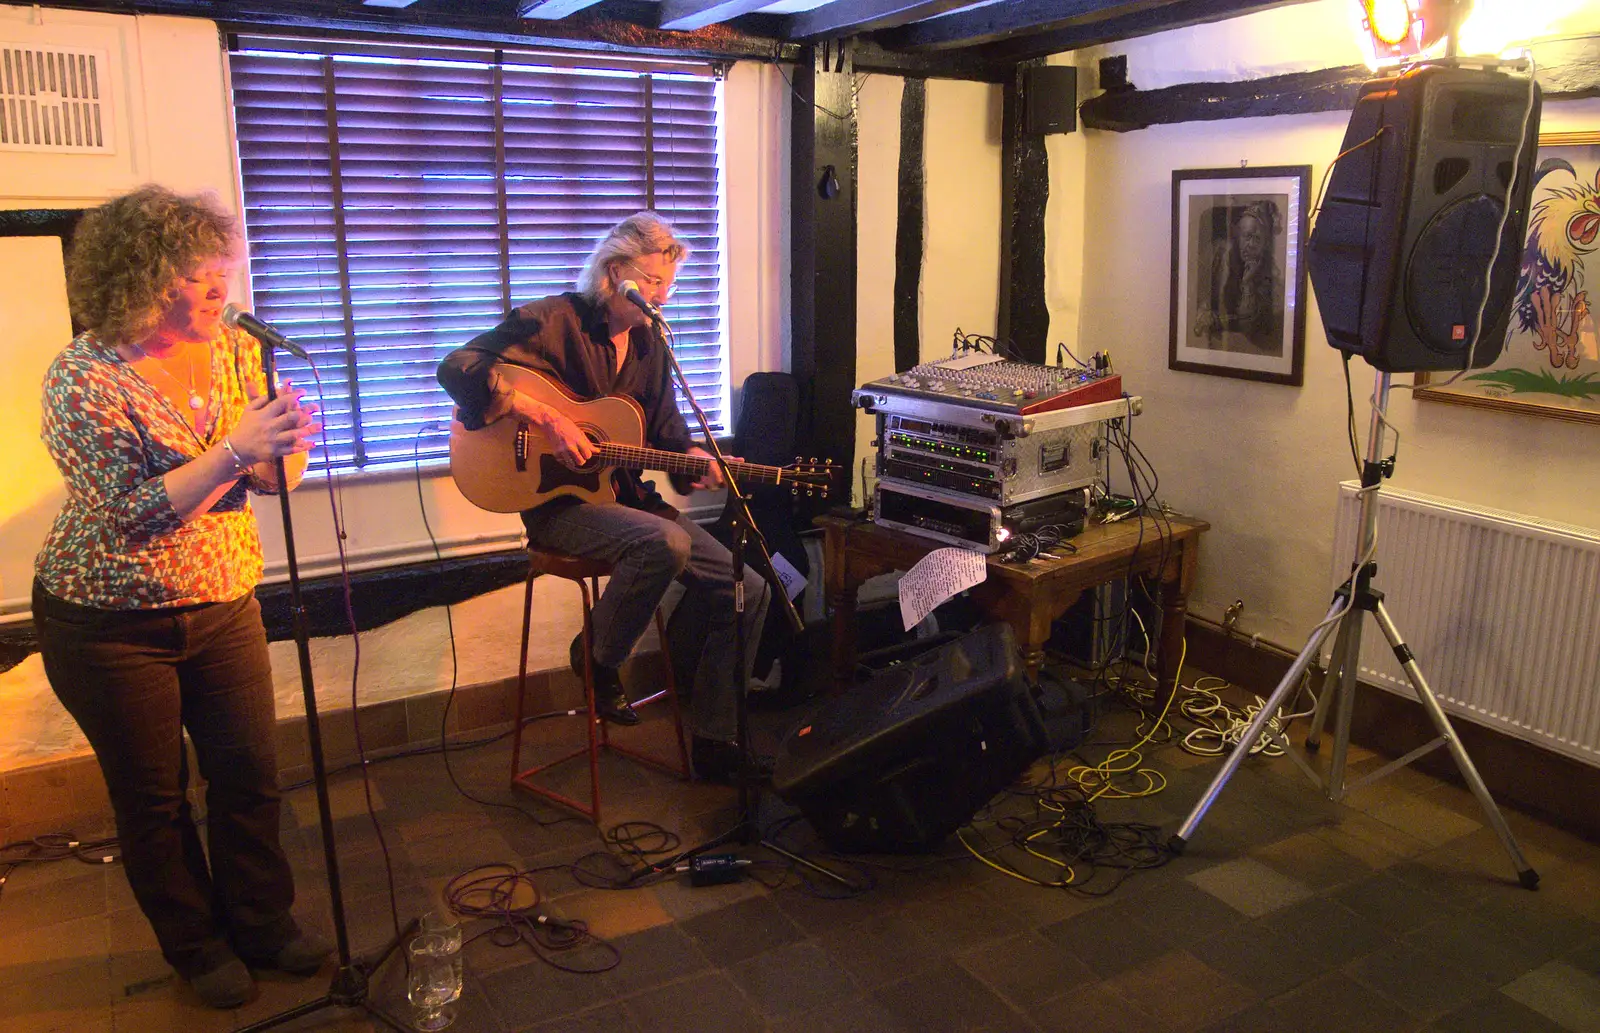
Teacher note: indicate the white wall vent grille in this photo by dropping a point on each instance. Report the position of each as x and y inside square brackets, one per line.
[55, 100]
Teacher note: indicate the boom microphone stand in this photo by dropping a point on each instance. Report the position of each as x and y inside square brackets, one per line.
[350, 982]
[736, 512]
[1353, 599]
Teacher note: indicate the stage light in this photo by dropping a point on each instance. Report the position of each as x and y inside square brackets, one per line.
[1394, 31]
[1389, 21]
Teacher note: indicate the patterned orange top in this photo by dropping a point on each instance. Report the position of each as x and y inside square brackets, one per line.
[117, 543]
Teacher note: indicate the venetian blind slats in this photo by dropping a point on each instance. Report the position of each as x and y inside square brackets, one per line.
[372, 201]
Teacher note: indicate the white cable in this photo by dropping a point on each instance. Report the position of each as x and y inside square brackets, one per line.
[1499, 233]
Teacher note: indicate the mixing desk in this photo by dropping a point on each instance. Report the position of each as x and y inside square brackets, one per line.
[986, 381]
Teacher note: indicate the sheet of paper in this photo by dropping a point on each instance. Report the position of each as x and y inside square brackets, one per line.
[794, 582]
[936, 577]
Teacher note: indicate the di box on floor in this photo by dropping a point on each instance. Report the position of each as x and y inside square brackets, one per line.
[903, 760]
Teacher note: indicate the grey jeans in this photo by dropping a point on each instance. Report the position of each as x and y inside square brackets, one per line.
[647, 553]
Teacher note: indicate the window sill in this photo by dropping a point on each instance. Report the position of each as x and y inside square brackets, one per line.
[404, 470]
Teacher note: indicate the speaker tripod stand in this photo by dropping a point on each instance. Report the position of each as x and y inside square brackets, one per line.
[1352, 601]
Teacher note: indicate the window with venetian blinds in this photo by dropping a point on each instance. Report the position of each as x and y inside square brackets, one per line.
[400, 200]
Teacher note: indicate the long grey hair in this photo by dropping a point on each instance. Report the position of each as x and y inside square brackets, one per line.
[640, 234]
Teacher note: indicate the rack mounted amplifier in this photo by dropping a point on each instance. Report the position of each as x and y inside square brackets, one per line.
[971, 523]
[990, 457]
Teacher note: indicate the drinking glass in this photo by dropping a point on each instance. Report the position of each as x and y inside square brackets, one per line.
[444, 924]
[434, 982]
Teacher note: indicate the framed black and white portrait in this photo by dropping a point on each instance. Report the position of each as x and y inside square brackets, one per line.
[1238, 272]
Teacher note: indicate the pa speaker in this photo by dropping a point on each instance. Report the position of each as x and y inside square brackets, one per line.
[1406, 233]
[1049, 99]
[906, 758]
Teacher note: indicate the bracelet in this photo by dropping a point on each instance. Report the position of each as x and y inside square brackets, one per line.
[240, 467]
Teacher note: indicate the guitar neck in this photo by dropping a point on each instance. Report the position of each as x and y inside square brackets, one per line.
[636, 457]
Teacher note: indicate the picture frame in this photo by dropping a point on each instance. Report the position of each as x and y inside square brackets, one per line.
[1238, 272]
[1550, 365]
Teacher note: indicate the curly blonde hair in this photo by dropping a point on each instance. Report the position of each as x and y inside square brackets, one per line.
[127, 253]
[640, 234]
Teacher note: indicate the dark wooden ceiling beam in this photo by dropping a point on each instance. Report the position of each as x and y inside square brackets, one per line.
[849, 17]
[994, 23]
[1111, 25]
[688, 15]
[470, 24]
[551, 10]
[1329, 89]
[940, 64]
[1564, 72]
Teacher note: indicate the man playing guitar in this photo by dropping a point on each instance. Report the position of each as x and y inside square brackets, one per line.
[596, 342]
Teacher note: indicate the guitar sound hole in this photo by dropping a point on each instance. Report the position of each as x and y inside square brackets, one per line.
[595, 463]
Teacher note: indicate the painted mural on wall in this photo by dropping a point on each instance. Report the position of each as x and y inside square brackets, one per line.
[1551, 362]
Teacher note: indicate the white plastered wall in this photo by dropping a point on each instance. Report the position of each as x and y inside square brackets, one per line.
[961, 196]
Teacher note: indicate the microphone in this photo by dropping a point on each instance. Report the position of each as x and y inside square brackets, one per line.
[630, 290]
[239, 319]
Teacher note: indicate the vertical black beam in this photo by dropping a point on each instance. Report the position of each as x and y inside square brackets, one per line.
[1024, 192]
[802, 240]
[908, 227]
[822, 192]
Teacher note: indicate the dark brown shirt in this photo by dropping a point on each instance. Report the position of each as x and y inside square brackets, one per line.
[567, 337]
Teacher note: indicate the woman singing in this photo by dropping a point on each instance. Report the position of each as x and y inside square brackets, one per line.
[157, 417]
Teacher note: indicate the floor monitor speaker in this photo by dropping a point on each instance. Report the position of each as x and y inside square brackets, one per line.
[1406, 232]
[901, 761]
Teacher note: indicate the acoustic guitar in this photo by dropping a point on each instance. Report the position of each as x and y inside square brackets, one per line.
[508, 466]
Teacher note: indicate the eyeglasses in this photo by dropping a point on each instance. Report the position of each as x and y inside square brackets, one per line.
[655, 283]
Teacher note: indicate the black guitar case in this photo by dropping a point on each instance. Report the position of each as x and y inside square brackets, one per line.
[764, 432]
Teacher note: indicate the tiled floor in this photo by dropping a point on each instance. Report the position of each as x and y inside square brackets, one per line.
[1396, 912]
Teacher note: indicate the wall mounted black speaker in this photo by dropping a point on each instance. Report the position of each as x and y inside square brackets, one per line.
[1406, 234]
[1049, 99]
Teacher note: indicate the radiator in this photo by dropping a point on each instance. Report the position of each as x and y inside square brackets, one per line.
[1501, 610]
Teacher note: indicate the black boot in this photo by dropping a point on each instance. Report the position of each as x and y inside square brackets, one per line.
[718, 761]
[610, 701]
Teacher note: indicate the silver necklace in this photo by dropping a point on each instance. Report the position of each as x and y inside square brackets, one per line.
[195, 401]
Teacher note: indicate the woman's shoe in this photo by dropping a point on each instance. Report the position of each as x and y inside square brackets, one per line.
[301, 956]
[227, 985]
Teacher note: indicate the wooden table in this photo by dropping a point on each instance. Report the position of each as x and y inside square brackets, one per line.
[1029, 596]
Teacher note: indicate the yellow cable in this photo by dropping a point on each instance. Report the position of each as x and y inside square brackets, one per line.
[1118, 762]
[1101, 774]
[1003, 870]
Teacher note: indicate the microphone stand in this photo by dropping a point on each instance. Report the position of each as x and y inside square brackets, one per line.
[736, 512]
[350, 982]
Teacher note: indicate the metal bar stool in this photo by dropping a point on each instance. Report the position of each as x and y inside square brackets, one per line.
[586, 573]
